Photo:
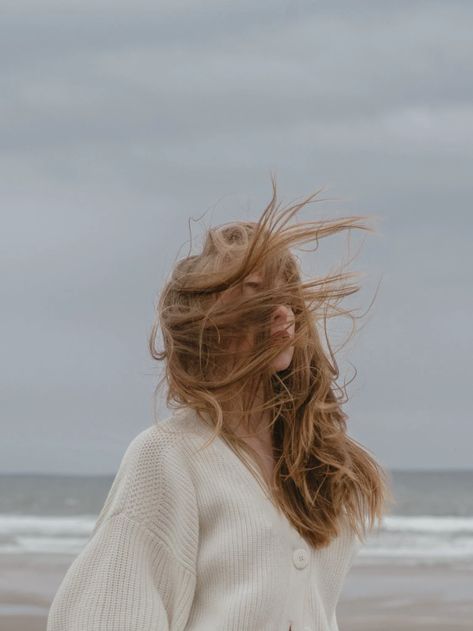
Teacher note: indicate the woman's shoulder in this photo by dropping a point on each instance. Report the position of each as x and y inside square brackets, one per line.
[159, 438]
[154, 474]
[163, 441]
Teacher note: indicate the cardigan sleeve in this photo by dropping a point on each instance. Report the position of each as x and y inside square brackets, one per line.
[124, 579]
[137, 571]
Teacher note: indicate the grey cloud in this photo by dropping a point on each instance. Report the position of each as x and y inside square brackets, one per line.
[118, 122]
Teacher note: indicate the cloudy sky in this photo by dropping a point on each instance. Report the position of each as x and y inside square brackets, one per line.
[121, 124]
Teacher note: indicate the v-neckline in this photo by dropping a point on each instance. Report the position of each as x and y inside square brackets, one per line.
[252, 470]
[245, 471]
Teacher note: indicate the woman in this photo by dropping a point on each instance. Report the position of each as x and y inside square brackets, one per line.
[244, 509]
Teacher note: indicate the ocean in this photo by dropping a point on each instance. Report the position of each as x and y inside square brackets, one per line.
[431, 523]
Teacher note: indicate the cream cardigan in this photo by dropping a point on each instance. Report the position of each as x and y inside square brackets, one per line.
[191, 541]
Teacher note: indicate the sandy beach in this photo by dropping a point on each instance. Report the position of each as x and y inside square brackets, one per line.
[376, 598]
[393, 598]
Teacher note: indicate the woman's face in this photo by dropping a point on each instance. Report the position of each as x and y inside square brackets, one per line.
[282, 321]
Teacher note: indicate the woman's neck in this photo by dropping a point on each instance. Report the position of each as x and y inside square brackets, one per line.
[253, 426]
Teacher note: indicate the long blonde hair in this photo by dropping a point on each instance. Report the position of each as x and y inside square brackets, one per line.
[321, 474]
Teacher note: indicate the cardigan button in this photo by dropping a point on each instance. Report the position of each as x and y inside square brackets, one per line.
[300, 558]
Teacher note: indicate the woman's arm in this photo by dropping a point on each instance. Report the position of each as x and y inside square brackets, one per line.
[124, 579]
[137, 572]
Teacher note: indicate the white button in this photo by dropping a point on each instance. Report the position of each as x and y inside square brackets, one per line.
[307, 628]
[300, 558]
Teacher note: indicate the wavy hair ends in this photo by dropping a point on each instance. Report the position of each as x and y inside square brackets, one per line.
[321, 476]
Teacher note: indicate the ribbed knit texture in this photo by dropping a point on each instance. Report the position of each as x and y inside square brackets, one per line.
[191, 541]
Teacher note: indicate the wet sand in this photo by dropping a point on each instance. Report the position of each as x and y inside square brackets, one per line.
[377, 598]
[393, 598]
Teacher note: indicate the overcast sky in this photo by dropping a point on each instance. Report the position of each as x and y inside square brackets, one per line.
[121, 122]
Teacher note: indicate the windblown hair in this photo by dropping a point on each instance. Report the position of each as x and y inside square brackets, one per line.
[321, 474]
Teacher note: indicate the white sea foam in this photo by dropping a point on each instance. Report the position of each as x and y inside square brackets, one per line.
[18, 524]
[400, 539]
[419, 539]
[428, 523]
[21, 534]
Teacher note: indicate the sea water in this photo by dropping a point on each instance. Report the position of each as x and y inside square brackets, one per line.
[431, 522]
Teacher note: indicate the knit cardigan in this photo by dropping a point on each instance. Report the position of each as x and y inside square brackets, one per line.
[190, 540]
